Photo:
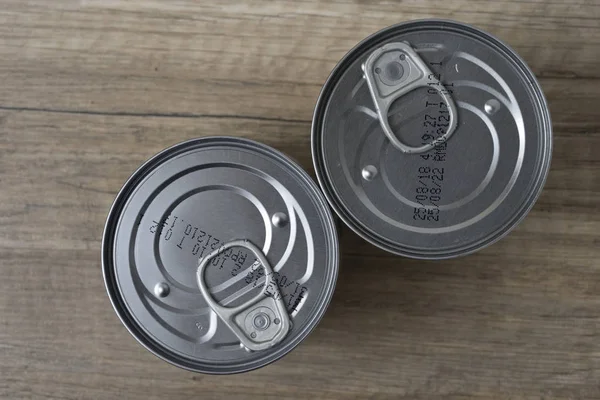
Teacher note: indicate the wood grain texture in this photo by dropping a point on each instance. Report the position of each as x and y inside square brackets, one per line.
[90, 89]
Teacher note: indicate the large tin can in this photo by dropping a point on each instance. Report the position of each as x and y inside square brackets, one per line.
[431, 139]
[220, 255]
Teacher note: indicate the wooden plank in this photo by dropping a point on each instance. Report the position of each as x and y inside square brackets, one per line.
[78, 167]
[190, 58]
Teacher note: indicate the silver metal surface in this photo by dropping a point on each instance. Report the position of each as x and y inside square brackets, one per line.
[184, 204]
[392, 71]
[250, 321]
[466, 192]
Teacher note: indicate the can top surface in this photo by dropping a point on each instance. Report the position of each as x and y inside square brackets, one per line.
[467, 191]
[192, 199]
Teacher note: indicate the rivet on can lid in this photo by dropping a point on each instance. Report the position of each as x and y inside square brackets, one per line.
[261, 321]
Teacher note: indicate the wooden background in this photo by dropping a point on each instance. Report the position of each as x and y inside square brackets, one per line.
[90, 89]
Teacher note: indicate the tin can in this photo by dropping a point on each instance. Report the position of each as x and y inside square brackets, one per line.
[220, 255]
[431, 139]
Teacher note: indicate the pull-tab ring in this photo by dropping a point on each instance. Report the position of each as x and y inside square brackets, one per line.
[260, 322]
[392, 71]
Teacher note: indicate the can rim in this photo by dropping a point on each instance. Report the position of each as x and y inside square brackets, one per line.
[135, 328]
[543, 162]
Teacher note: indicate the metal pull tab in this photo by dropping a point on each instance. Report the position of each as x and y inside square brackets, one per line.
[392, 71]
[261, 322]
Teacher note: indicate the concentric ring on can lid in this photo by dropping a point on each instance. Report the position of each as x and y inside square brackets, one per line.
[462, 193]
[184, 207]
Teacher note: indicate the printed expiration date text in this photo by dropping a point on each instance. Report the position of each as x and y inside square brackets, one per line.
[430, 172]
[191, 238]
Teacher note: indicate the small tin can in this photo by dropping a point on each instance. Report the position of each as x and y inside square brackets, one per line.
[220, 255]
[431, 139]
